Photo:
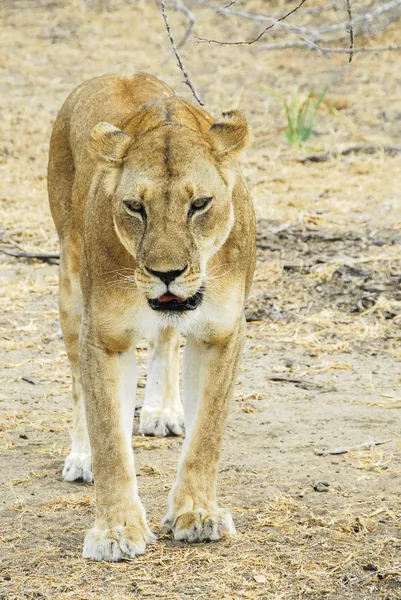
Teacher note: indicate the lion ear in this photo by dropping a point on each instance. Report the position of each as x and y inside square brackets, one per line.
[109, 144]
[230, 134]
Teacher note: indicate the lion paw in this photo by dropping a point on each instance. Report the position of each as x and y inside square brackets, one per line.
[161, 422]
[78, 467]
[201, 526]
[117, 543]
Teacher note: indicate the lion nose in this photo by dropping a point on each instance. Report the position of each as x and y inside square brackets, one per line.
[167, 276]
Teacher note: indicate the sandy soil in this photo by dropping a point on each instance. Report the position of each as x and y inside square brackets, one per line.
[322, 363]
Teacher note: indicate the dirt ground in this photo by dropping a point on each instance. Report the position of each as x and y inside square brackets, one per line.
[322, 363]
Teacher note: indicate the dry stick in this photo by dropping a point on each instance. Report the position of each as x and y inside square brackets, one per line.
[340, 260]
[45, 257]
[351, 32]
[351, 448]
[30, 379]
[383, 571]
[177, 54]
[324, 156]
[304, 382]
[257, 38]
[227, 6]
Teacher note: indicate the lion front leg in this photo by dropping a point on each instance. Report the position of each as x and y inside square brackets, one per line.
[120, 530]
[162, 412]
[77, 465]
[193, 513]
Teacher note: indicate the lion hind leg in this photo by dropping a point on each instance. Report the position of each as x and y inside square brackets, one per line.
[162, 412]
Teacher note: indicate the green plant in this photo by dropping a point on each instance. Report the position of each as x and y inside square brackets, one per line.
[301, 112]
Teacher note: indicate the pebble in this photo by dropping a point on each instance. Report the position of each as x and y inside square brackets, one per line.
[321, 486]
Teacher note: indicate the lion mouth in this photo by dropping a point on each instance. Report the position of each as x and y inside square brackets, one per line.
[171, 302]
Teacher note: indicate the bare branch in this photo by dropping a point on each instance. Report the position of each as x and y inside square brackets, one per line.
[357, 23]
[351, 31]
[304, 43]
[362, 18]
[325, 36]
[187, 80]
[256, 17]
[181, 7]
[258, 37]
[352, 51]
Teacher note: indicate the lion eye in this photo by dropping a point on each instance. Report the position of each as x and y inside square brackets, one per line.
[133, 207]
[199, 204]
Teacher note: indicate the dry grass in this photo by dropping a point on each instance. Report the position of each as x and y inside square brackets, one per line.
[286, 546]
[320, 224]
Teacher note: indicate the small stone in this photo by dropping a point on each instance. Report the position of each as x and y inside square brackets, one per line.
[369, 567]
[321, 486]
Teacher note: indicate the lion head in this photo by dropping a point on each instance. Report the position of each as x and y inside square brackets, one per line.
[171, 188]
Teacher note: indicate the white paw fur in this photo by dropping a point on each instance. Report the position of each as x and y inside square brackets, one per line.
[78, 467]
[200, 525]
[161, 421]
[117, 543]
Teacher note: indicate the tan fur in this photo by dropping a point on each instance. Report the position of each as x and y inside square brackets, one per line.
[131, 140]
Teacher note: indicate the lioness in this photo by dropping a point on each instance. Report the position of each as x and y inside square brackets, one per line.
[157, 232]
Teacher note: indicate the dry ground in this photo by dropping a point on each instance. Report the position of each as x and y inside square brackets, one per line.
[322, 363]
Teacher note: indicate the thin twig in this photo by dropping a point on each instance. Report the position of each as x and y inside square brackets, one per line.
[345, 450]
[304, 383]
[187, 80]
[181, 7]
[361, 19]
[226, 6]
[46, 257]
[256, 17]
[363, 148]
[339, 260]
[351, 31]
[324, 49]
[258, 37]
[30, 379]
[357, 50]
[11, 242]
[382, 572]
[390, 150]
[313, 37]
